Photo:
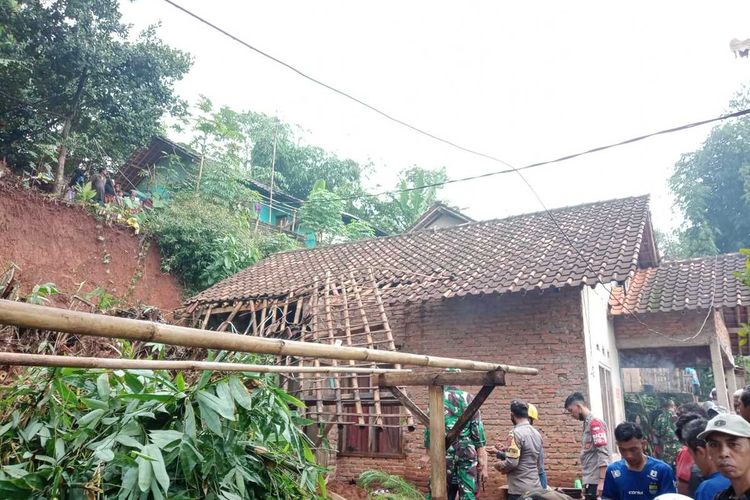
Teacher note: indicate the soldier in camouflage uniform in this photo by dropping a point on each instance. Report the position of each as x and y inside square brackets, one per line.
[664, 431]
[466, 458]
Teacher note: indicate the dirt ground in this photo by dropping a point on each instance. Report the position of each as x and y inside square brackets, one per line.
[51, 241]
[347, 491]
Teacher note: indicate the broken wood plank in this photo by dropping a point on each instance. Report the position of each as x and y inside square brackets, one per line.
[493, 378]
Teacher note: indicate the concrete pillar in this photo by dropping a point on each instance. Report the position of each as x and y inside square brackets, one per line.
[731, 386]
[718, 370]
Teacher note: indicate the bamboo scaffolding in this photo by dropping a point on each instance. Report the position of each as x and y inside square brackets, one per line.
[80, 323]
[21, 359]
[329, 325]
[355, 382]
[389, 337]
[376, 392]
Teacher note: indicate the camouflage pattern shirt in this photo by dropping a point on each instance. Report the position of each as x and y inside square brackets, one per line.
[664, 430]
[455, 402]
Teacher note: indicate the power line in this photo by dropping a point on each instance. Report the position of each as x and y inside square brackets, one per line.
[555, 160]
[434, 136]
[481, 154]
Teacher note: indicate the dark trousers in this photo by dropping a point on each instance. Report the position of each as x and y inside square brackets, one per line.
[514, 497]
[589, 491]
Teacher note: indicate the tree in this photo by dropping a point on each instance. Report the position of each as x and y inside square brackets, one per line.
[73, 77]
[712, 189]
[397, 212]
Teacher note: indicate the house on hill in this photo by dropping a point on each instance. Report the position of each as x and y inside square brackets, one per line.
[150, 170]
[584, 298]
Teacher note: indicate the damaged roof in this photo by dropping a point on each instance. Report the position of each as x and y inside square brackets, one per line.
[520, 253]
[678, 285]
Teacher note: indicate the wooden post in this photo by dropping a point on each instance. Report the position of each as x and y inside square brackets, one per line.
[438, 467]
[718, 368]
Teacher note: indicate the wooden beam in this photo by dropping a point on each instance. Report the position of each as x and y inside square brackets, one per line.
[20, 359]
[496, 377]
[411, 405]
[438, 467]
[467, 415]
[98, 325]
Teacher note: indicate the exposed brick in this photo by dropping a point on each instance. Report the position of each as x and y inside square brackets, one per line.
[539, 330]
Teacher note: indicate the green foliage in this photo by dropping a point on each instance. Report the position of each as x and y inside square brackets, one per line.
[85, 193]
[388, 486]
[76, 434]
[40, 293]
[712, 188]
[104, 299]
[398, 212]
[201, 242]
[73, 76]
[322, 213]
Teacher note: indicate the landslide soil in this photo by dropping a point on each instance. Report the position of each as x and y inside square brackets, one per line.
[51, 241]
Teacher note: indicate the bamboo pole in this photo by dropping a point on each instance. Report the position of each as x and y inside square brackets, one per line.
[331, 339]
[21, 359]
[366, 326]
[347, 330]
[80, 323]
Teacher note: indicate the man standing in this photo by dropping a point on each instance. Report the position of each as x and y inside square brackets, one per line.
[664, 431]
[522, 453]
[636, 476]
[695, 382]
[728, 440]
[594, 446]
[466, 458]
[713, 482]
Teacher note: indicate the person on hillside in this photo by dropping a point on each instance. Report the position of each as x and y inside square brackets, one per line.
[664, 431]
[534, 417]
[466, 458]
[636, 476]
[523, 451]
[728, 440]
[594, 447]
[99, 183]
[713, 481]
[109, 189]
[76, 181]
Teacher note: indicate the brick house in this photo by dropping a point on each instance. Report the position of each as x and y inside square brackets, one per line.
[514, 291]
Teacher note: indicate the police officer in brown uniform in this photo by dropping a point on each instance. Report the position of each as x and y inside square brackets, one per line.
[521, 457]
[594, 447]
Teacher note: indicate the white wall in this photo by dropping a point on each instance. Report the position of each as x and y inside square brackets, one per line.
[599, 336]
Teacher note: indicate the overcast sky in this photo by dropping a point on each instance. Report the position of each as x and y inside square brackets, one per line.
[523, 81]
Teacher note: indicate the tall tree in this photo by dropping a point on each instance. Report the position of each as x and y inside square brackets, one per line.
[415, 191]
[72, 76]
[712, 188]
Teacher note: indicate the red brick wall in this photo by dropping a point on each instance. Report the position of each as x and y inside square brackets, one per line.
[543, 331]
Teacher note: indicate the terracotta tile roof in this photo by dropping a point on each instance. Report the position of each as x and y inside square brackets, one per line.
[685, 284]
[520, 253]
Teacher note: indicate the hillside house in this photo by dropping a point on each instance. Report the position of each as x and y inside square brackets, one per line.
[514, 291]
[150, 170]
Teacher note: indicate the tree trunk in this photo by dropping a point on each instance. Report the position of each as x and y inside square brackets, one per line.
[62, 153]
[62, 150]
